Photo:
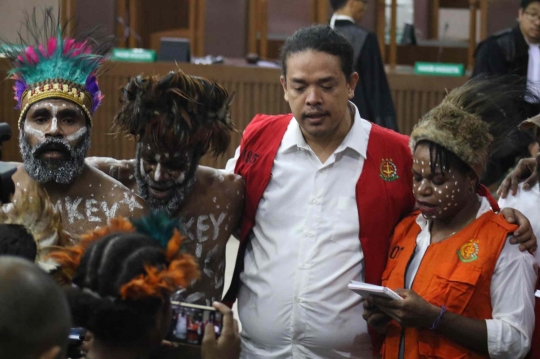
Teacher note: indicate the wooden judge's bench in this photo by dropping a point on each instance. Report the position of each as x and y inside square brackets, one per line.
[258, 90]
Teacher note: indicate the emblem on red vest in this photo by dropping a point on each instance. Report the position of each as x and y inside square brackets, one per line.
[388, 170]
[469, 251]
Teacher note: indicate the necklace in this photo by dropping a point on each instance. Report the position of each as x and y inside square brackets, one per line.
[451, 234]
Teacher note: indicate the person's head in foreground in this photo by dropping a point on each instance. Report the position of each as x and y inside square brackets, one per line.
[57, 92]
[319, 80]
[34, 313]
[123, 279]
[17, 241]
[451, 143]
[176, 119]
[352, 8]
[32, 224]
[529, 20]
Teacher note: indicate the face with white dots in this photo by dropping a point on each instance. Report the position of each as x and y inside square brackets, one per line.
[440, 194]
[164, 178]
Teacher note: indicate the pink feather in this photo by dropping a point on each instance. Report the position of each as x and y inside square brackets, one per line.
[33, 58]
[51, 46]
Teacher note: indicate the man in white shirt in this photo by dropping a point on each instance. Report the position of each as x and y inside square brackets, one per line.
[324, 190]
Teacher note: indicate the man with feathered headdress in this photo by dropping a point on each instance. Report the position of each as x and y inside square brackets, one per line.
[57, 92]
[176, 119]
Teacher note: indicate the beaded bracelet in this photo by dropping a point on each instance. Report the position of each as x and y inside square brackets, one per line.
[436, 322]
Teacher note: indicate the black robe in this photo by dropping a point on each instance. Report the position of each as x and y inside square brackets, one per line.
[372, 94]
[506, 52]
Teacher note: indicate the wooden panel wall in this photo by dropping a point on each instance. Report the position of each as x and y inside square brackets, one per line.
[257, 91]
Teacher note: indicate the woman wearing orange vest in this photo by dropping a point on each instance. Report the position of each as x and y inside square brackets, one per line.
[468, 293]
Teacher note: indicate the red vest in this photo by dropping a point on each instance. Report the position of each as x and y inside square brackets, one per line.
[456, 273]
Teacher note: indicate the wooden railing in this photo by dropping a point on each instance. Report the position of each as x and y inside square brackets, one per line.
[258, 90]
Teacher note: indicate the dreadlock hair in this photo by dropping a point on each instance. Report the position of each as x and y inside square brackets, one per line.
[177, 110]
[15, 240]
[474, 120]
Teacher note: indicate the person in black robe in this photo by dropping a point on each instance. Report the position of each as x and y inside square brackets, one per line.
[507, 52]
[372, 94]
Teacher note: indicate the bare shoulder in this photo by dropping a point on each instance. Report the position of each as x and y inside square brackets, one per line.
[232, 185]
[129, 204]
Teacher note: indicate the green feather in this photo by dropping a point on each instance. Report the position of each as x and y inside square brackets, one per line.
[159, 227]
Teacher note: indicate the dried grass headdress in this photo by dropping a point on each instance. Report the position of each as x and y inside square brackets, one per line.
[177, 110]
[474, 119]
[181, 268]
[32, 208]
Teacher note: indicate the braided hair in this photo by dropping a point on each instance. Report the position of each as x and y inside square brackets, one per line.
[122, 279]
[105, 267]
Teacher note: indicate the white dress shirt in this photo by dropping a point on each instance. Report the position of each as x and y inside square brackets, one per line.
[533, 69]
[336, 17]
[510, 330]
[304, 250]
[528, 203]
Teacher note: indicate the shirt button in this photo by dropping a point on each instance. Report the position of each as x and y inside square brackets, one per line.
[309, 234]
[303, 266]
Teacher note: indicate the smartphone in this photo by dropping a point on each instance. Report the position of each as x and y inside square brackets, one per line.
[189, 320]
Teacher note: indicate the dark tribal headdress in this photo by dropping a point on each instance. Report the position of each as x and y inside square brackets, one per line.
[177, 110]
[474, 119]
[51, 66]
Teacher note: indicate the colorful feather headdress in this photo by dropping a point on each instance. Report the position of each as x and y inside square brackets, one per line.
[59, 67]
[34, 210]
[181, 268]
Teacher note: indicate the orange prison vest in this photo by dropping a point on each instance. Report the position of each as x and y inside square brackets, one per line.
[455, 272]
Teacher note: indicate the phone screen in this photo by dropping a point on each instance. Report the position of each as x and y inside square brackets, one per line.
[189, 320]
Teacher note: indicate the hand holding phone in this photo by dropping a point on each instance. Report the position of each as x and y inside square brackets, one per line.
[228, 345]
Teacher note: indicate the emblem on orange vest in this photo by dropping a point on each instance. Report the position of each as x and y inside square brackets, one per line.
[388, 170]
[469, 251]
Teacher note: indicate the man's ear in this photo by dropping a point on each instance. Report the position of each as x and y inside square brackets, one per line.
[284, 85]
[51, 353]
[351, 84]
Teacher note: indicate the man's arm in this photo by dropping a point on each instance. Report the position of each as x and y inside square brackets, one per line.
[121, 170]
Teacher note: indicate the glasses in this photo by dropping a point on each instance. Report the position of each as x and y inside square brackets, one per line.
[532, 16]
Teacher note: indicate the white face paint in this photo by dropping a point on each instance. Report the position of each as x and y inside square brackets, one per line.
[157, 172]
[77, 134]
[33, 132]
[142, 169]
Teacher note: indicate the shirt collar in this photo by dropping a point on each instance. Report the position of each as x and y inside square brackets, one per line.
[484, 207]
[337, 17]
[356, 139]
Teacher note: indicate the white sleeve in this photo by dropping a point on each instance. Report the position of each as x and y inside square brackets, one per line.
[512, 300]
[231, 163]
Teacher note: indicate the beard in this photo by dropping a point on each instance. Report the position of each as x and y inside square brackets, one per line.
[171, 205]
[61, 171]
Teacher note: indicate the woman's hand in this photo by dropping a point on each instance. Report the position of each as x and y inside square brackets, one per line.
[375, 318]
[411, 311]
